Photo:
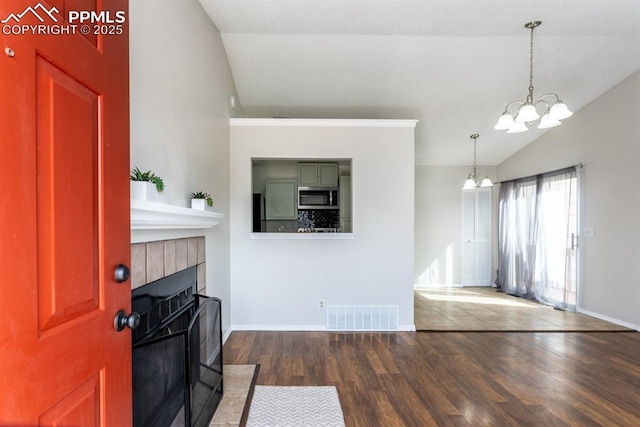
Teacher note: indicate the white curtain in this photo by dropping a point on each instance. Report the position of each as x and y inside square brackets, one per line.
[538, 224]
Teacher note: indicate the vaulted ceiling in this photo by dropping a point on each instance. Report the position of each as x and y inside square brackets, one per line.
[451, 64]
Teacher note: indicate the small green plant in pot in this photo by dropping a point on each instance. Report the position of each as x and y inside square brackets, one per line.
[148, 176]
[199, 198]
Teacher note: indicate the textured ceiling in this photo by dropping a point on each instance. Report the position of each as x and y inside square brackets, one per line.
[451, 64]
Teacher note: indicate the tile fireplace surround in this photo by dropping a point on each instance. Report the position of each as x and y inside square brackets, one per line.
[154, 260]
[151, 261]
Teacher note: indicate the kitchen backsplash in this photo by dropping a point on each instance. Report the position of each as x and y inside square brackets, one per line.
[308, 219]
[318, 218]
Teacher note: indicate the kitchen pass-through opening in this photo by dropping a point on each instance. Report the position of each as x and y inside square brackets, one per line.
[301, 195]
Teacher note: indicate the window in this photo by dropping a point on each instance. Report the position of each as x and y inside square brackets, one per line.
[536, 244]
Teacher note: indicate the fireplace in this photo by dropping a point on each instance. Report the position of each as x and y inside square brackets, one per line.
[177, 352]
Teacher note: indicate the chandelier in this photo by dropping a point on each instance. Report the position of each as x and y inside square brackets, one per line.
[526, 112]
[472, 179]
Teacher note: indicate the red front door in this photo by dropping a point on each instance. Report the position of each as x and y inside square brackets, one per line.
[64, 217]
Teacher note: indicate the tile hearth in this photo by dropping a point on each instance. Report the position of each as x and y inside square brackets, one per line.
[239, 381]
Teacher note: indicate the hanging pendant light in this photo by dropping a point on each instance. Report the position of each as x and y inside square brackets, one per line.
[472, 179]
[548, 121]
[517, 128]
[526, 112]
[486, 182]
[470, 183]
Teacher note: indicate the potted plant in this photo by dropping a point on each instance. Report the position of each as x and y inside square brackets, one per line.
[198, 200]
[146, 185]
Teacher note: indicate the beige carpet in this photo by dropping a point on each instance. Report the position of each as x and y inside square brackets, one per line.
[485, 309]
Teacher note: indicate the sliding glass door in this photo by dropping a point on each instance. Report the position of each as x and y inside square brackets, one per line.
[537, 238]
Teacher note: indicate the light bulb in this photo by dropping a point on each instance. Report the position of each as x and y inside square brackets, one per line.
[470, 183]
[486, 182]
[548, 121]
[560, 111]
[504, 122]
[527, 113]
[518, 127]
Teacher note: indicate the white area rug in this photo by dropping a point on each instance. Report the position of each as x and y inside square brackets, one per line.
[275, 406]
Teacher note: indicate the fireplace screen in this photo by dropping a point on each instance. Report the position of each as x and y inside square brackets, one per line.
[177, 353]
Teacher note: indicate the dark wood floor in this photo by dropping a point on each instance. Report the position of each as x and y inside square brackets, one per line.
[458, 379]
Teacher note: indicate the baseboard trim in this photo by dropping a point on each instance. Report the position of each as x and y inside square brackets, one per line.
[226, 335]
[302, 328]
[608, 319]
[279, 327]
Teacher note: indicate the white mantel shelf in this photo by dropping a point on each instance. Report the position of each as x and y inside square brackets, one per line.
[159, 216]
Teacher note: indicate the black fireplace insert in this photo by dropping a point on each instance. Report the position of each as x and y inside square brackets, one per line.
[177, 353]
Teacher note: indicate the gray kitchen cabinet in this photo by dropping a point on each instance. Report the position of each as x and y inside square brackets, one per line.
[280, 199]
[345, 225]
[345, 204]
[318, 174]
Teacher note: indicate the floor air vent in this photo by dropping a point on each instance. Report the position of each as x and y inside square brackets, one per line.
[362, 318]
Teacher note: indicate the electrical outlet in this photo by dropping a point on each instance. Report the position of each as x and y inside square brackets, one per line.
[321, 304]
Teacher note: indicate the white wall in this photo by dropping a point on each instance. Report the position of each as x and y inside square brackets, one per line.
[604, 137]
[438, 223]
[276, 284]
[180, 88]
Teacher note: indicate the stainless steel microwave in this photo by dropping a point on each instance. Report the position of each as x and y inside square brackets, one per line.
[317, 198]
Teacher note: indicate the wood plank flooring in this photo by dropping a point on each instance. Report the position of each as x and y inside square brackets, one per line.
[457, 379]
[485, 309]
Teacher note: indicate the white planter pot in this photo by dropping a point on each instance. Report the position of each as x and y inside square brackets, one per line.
[142, 190]
[200, 204]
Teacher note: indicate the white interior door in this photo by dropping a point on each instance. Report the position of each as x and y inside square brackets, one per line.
[476, 237]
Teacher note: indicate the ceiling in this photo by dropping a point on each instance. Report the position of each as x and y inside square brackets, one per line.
[451, 64]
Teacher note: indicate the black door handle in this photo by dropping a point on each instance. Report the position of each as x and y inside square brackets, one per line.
[121, 320]
[121, 273]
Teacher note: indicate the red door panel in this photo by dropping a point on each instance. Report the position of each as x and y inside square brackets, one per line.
[67, 196]
[64, 223]
[81, 407]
